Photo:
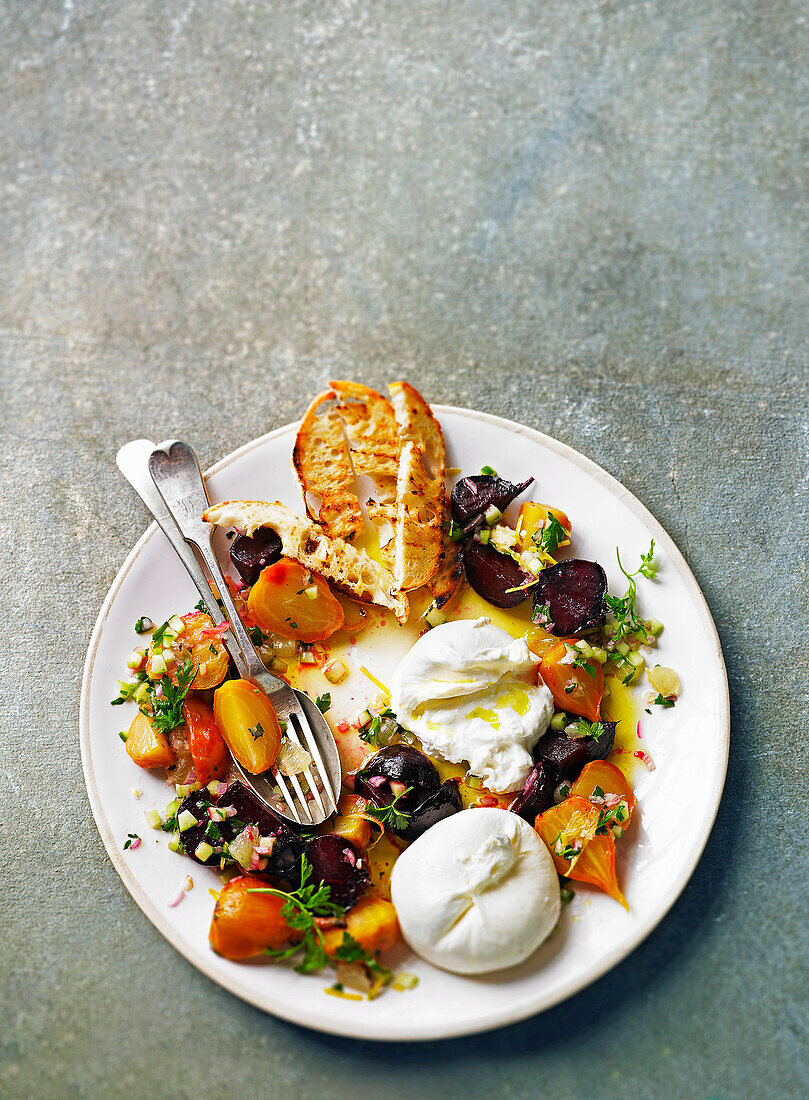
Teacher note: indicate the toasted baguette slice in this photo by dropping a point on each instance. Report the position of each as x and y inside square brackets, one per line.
[419, 515]
[447, 579]
[349, 569]
[323, 467]
[417, 536]
[415, 420]
[370, 426]
[372, 434]
[383, 517]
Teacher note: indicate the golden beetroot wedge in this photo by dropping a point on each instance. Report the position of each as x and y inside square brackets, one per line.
[148, 747]
[290, 600]
[372, 922]
[245, 923]
[201, 642]
[596, 865]
[575, 689]
[566, 829]
[611, 781]
[540, 641]
[246, 719]
[532, 520]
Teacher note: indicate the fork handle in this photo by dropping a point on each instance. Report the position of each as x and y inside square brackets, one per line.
[178, 478]
[133, 462]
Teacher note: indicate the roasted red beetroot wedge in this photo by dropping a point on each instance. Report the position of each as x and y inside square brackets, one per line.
[573, 591]
[537, 793]
[251, 554]
[566, 756]
[445, 802]
[403, 766]
[472, 496]
[341, 866]
[494, 575]
[284, 862]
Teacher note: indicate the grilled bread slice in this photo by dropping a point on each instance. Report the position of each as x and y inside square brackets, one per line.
[349, 569]
[374, 441]
[372, 434]
[415, 420]
[449, 574]
[322, 464]
[418, 531]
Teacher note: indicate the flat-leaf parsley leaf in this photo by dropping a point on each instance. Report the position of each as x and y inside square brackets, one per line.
[167, 709]
[391, 815]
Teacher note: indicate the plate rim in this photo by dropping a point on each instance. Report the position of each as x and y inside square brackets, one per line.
[503, 1018]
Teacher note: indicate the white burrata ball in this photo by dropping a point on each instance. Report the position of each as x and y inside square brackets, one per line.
[477, 892]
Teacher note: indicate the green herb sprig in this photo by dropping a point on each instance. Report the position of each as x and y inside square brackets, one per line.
[257, 635]
[662, 701]
[391, 815]
[167, 710]
[580, 661]
[301, 910]
[551, 536]
[595, 730]
[627, 622]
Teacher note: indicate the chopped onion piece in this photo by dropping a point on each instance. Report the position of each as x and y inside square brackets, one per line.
[292, 759]
[664, 680]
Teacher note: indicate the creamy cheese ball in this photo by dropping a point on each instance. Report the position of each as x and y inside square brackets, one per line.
[477, 892]
[465, 689]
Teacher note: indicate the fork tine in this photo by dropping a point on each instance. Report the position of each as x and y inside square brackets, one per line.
[279, 779]
[293, 735]
[314, 752]
[310, 779]
[315, 793]
[297, 785]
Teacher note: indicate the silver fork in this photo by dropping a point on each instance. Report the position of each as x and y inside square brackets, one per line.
[175, 494]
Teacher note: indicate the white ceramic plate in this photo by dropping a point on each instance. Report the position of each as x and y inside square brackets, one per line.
[678, 800]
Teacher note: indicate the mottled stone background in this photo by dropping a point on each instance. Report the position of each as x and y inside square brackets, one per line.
[591, 216]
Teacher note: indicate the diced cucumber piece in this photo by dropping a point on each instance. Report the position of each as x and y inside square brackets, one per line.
[435, 617]
[176, 625]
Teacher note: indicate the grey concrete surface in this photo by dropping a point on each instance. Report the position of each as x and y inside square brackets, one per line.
[589, 215]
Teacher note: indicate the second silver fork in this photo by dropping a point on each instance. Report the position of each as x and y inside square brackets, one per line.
[178, 479]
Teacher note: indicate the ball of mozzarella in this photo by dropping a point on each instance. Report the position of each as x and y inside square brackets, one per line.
[477, 892]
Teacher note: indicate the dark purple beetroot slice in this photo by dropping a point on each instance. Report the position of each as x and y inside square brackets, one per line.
[251, 554]
[568, 755]
[401, 764]
[197, 803]
[574, 591]
[341, 866]
[492, 575]
[537, 793]
[445, 802]
[284, 862]
[471, 496]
